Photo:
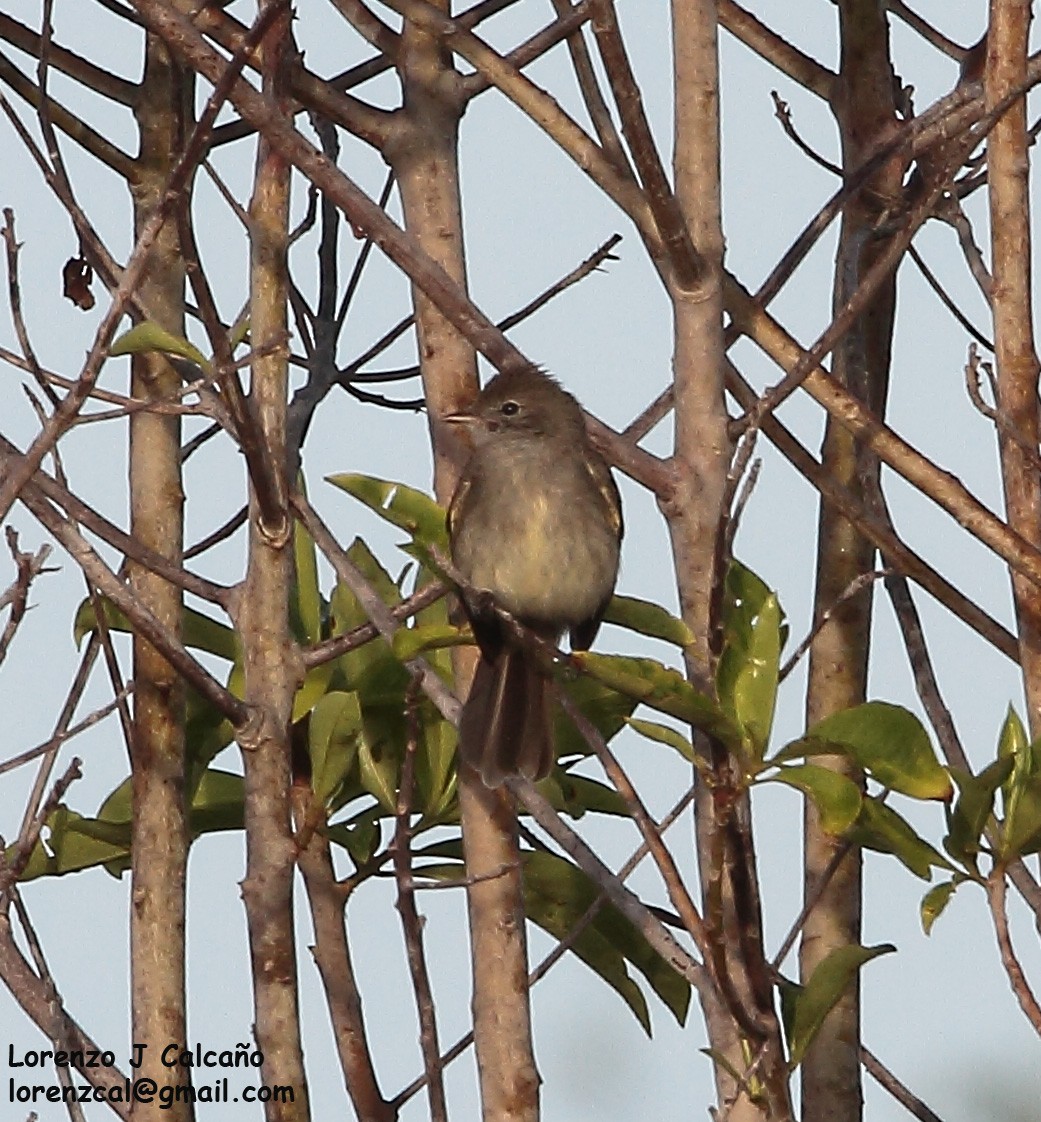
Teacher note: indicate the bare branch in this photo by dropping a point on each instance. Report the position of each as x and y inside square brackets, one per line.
[776, 50]
[16, 597]
[997, 891]
[885, 1078]
[97, 78]
[100, 147]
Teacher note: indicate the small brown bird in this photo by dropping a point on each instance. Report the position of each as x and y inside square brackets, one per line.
[535, 523]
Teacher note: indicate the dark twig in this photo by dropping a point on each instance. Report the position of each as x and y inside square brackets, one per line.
[971, 251]
[352, 372]
[810, 903]
[567, 26]
[65, 414]
[657, 411]
[934, 283]
[854, 588]
[43, 488]
[143, 620]
[358, 636]
[559, 950]
[885, 1078]
[374, 607]
[58, 739]
[596, 106]
[222, 533]
[882, 534]
[1001, 422]
[14, 299]
[686, 262]
[61, 1042]
[13, 864]
[997, 891]
[776, 49]
[411, 922]
[929, 33]
[16, 597]
[783, 113]
[623, 898]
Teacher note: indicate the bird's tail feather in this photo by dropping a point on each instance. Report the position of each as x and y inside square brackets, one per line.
[506, 726]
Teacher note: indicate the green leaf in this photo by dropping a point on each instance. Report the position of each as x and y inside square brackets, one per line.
[663, 734]
[663, 689]
[218, 803]
[73, 843]
[973, 808]
[807, 1006]
[1013, 744]
[557, 894]
[306, 605]
[837, 798]
[1021, 790]
[372, 663]
[360, 837]
[199, 631]
[575, 795]
[647, 618]
[935, 901]
[332, 741]
[402, 506]
[346, 612]
[411, 641]
[147, 337]
[206, 733]
[887, 741]
[435, 791]
[1021, 835]
[239, 332]
[378, 766]
[880, 828]
[605, 708]
[749, 666]
[314, 687]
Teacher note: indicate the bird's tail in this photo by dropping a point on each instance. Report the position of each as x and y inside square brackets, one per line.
[506, 726]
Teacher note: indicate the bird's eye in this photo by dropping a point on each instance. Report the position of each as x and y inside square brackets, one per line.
[509, 408]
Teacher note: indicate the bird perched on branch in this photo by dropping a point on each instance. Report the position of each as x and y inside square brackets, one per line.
[535, 525]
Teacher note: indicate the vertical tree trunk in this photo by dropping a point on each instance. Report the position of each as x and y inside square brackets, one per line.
[865, 107]
[272, 664]
[424, 155]
[701, 462]
[160, 832]
[1017, 364]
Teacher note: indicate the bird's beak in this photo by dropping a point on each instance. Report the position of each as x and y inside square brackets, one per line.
[461, 418]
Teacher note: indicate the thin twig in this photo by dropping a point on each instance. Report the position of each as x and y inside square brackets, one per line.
[855, 586]
[58, 739]
[783, 113]
[956, 217]
[373, 606]
[12, 865]
[997, 891]
[934, 283]
[929, 33]
[411, 922]
[885, 1078]
[589, 86]
[16, 597]
[357, 637]
[562, 946]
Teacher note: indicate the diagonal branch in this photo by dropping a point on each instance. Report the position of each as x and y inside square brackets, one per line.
[96, 78]
[100, 147]
[776, 50]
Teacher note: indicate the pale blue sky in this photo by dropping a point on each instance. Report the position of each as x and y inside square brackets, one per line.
[939, 1012]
